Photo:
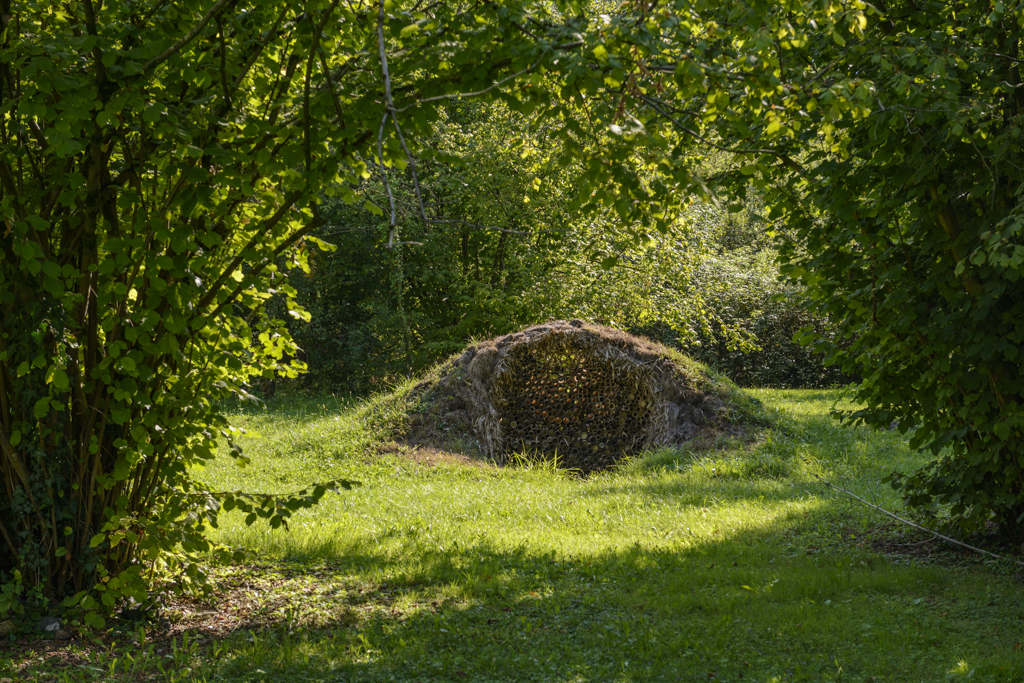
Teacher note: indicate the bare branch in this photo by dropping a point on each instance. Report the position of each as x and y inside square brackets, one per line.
[389, 112]
[734, 150]
[477, 93]
[384, 177]
[412, 165]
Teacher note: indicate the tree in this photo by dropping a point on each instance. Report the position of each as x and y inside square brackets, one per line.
[493, 208]
[887, 138]
[918, 247]
[160, 164]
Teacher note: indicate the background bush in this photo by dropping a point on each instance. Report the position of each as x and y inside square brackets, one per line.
[745, 292]
[500, 251]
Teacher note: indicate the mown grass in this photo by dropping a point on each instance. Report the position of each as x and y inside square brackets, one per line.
[731, 564]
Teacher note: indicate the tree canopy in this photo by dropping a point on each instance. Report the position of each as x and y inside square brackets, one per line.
[163, 164]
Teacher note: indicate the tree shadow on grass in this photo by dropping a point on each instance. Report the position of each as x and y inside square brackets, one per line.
[744, 606]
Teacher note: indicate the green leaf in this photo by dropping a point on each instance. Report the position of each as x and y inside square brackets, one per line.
[41, 408]
[1002, 430]
[59, 378]
[94, 620]
[73, 600]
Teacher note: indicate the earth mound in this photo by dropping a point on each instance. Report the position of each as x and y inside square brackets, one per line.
[585, 394]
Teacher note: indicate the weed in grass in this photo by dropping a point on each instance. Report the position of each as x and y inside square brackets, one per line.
[546, 463]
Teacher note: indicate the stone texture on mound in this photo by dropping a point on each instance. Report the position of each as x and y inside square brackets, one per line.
[585, 393]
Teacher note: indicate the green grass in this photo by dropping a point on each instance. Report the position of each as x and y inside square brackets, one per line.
[733, 564]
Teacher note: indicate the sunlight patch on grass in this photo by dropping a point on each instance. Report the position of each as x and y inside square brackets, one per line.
[732, 560]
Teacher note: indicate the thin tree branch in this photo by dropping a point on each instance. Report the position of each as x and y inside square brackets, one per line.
[735, 150]
[412, 166]
[258, 268]
[475, 225]
[260, 46]
[97, 53]
[392, 112]
[313, 51]
[174, 49]
[12, 457]
[8, 541]
[149, 15]
[389, 111]
[223, 63]
[477, 93]
[387, 183]
[268, 225]
[333, 88]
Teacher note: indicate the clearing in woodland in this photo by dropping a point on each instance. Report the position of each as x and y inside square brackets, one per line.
[722, 559]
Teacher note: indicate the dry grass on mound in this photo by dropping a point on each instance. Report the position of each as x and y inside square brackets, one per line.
[585, 394]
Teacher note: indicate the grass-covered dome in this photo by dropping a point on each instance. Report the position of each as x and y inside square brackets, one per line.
[586, 394]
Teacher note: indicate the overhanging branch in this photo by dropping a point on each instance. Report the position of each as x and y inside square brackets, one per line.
[189, 37]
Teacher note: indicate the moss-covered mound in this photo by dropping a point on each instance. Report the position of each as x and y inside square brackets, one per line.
[586, 394]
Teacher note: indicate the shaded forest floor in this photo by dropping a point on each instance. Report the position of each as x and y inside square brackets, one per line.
[731, 563]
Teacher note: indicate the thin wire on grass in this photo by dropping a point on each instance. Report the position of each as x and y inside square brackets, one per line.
[936, 534]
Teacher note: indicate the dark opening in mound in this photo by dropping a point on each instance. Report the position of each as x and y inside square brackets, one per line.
[586, 394]
[560, 396]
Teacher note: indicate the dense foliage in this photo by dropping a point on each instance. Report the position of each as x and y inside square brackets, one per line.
[502, 251]
[890, 144]
[148, 186]
[378, 313]
[887, 140]
[916, 243]
[162, 165]
[744, 291]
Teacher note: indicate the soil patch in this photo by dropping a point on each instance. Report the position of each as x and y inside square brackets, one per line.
[431, 457]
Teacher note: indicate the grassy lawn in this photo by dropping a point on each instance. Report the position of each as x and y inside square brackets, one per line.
[733, 564]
